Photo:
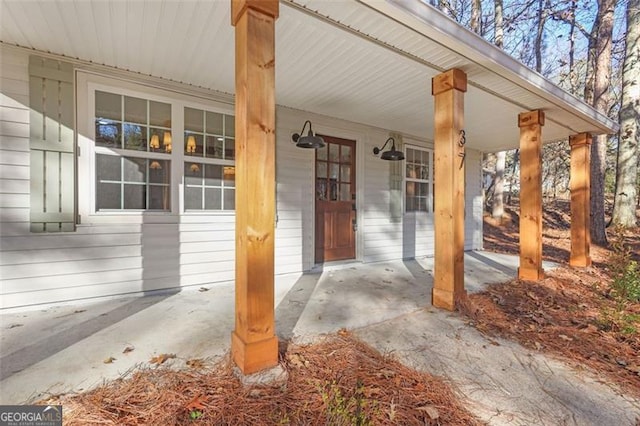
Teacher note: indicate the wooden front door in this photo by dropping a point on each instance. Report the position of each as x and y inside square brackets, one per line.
[336, 200]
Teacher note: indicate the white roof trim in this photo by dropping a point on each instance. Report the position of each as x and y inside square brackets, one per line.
[438, 27]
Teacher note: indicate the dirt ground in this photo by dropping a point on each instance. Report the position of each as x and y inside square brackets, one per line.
[573, 313]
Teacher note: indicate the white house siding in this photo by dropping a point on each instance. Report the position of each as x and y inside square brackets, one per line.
[124, 253]
[473, 201]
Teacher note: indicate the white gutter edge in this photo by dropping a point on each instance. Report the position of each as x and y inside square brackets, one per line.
[441, 29]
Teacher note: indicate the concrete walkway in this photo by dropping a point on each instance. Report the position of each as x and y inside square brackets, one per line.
[62, 348]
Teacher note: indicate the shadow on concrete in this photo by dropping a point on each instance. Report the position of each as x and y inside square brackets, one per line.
[491, 263]
[31, 354]
[290, 309]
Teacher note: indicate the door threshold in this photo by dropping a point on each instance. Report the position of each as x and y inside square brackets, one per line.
[336, 265]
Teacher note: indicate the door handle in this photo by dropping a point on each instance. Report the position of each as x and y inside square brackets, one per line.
[354, 223]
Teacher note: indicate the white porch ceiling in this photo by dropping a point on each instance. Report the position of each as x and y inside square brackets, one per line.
[370, 63]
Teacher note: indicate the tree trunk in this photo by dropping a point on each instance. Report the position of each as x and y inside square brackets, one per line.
[600, 46]
[539, 36]
[476, 17]
[499, 23]
[624, 210]
[497, 206]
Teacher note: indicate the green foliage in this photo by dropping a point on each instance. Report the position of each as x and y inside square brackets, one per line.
[195, 414]
[342, 409]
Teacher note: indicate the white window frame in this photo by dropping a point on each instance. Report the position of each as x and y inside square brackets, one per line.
[87, 84]
[205, 160]
[428, 181]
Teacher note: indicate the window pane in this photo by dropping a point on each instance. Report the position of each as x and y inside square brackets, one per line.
[215, 146]
[333, 191]
[108, 106]
[345, 154]
[321, 189]
[193, 198]
[135, 137]
[411, 171]
[108, 196]
[213, 175]
[334, 169]
[345, 192]
[410, 155]
[135, 197]
[411, 204]
[159, 114]
[345, 173]
[411, 190]
[159, 171]
[229, 149]
[108, 133]
[135, 169]
[229, 176]
[193, 144]
[333, 152]
[212, 199]
[193, 120]
[193, 174]
[108, 167]
[229, 125]
[135, 110]
[229, 199]
[159, 198]
[214, 123]
[321, 154]
[321, 170]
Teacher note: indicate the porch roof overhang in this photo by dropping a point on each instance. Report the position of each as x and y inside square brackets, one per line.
[367, 61]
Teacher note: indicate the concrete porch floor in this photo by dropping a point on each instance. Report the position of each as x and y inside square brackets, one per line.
[61, 348]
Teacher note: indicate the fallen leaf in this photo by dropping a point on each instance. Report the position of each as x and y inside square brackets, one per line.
[109, 360]
[14, 326]
[160, 359]
[431, 411]
[127, 349]
[79, 311]
[196, 403]
[532, 295]
[566, 338]
[203, 289]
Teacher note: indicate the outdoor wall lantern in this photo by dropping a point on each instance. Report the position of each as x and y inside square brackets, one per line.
[392, 154]
[309, 141]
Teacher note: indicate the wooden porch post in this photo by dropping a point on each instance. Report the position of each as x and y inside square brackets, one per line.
[580, 203]
[448, 90]
[530, 124]
[254, 345]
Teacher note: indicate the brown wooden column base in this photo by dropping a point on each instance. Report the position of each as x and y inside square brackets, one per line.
[528, 274]
[580, 261]
[444, 299]
[254, 356]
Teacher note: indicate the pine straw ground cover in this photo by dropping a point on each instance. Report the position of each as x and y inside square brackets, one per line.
[573, 313]
[340, 381]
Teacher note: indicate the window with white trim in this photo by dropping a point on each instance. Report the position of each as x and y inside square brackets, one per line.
[134, 150]
[418, 179]
[209, 175]
[133, 153]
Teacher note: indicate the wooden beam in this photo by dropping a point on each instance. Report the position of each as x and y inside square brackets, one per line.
[530, 124]
[448, 90]
[580, 183]
[254, 345]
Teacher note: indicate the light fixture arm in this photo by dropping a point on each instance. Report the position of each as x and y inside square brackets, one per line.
[296, 136]
[377, 150]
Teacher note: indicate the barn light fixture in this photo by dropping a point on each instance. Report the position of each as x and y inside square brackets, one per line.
[392, 154]
[309, 141]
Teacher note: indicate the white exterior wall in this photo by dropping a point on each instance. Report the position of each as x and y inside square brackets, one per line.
[129, 253]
